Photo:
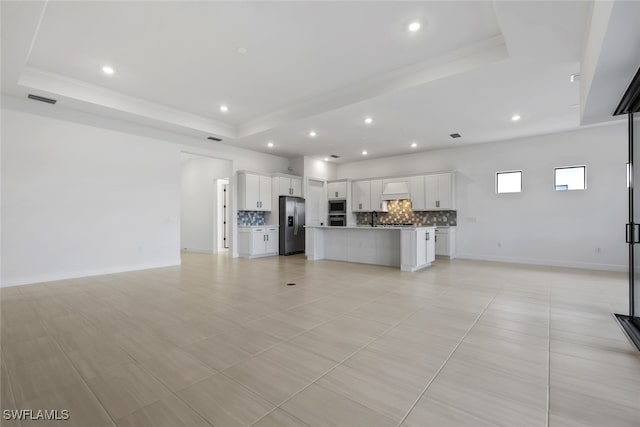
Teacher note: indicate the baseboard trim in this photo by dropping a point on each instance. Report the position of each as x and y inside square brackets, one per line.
[29, 280]
[547, 263]
[198, 251]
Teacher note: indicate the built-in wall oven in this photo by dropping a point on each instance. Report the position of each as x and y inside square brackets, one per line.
[337, 207]
[337, 220]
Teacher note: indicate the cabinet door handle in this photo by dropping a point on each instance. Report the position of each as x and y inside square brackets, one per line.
[336, 194]
[360, 206]
[437, 203]
[257, 204]
[427, 235]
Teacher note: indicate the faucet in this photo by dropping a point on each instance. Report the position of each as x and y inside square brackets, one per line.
[372, 216]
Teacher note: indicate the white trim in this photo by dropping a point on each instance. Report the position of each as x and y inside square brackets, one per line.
[28, 280]
[197, 250]
[546, 262]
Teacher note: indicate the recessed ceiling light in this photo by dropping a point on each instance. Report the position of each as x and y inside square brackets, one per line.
[270, 144]
[368, 120]
[326, 159]
[414, 26]
[515, 118]
[312, 134]
[455, 135]
[108, 70]
[224, 108]
[414, 145]
[242, 50]
[364, 152]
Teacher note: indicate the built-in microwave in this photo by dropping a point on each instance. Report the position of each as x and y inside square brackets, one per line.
[337, 207]
[337, 220]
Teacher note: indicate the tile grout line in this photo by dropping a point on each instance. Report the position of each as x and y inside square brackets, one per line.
[284, 341]
[350, 356]
[73, 366]
[9, 381]
[446, 360]
[246, 324]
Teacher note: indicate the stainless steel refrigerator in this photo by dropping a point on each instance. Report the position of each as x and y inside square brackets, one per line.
[291, 225]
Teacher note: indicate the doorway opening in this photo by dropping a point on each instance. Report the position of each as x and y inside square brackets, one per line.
[205, 208]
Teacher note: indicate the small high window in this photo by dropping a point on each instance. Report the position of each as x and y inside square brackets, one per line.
[570, 178]
[509, 182]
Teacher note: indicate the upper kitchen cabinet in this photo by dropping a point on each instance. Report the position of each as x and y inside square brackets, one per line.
[254, 192]
[376, 196]
[366, 196]
[417, 192]
[288, 185]
[361, 196]
[439, 192]
[337, 190]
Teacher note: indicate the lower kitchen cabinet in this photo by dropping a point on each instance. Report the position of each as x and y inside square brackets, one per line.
[446, 242]
[418, 248]
[254, 242]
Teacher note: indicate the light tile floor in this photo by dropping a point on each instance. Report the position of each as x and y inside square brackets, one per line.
[226, 342]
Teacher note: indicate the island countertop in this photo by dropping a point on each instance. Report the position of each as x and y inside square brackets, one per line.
[409, 247]
[368, 227]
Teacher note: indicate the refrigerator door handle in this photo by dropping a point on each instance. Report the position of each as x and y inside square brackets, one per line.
[295, 220]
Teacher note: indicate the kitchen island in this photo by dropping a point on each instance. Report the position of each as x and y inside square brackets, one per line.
[410, 248]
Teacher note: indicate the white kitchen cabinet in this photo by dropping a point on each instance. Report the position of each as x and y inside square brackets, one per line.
[376, 196]
[254, 192]
[446, 242]
[337, 190]
[288, 186]
[361, 196]
[273, 245]
[417, 193]
[254, 242]
[366, 196]
[439, 191]
[265, 193]
[418, 248]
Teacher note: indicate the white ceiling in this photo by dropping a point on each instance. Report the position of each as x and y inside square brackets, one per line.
[308, 65]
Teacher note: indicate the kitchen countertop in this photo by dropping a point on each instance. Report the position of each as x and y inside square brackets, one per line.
[368, 227]
[258, 226]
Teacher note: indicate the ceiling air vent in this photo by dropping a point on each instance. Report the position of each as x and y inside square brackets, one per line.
[42, 99]
[455, 135]
[213, 138]
[334, 156]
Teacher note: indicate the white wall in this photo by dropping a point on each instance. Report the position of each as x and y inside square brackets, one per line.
[199, 202]
[316, 168]
[83, 194]
[79, 201]
[539, 225]
[296, 166]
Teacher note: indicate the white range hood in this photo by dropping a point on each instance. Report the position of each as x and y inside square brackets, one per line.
[396, 191]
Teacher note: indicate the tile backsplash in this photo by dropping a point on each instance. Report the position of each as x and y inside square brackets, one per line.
[399, 212]
[249, 218]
